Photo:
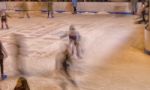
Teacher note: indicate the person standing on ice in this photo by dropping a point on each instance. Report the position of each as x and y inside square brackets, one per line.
[4, 16]
[134, 6]
[74, 4]
[74, 39]
[50, 9]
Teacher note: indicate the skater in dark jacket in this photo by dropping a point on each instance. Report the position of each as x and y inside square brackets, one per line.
[143, 11]
[63, 65]
[2, 56]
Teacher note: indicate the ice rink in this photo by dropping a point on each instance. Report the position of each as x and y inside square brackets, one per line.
[112, 53]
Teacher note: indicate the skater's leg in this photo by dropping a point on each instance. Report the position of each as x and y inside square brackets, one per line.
[77, 49]
[48, 14]
[52, 14]
[65, 67]
[2, 25]
[71, 46]
[6, 25]
[27, 14]
[74, 10]
[2, 69]
[143, 16]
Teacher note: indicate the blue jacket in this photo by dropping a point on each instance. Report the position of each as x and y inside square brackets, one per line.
[74, 2]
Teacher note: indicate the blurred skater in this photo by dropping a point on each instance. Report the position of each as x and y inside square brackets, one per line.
[4, 16]
[63, 64]
[142, 12]
[3, 55]
[74, 4]
[20, 51]
[50, 9]
[22, 84]
[74, 40]
[134, 6]
[24, 7]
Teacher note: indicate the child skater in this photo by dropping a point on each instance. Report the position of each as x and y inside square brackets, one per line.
[74, 39]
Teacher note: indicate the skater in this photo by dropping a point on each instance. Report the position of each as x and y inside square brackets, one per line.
[22, 84]
[63, 63]
[141, 8]
[142, 12]
[4, 16]
[74, 39]
[134, 6]
[50, 9]
[3, 55]
[74, 4]
[20, 51]
[25, 9]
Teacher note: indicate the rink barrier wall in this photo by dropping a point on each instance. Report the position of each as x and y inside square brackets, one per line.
[66, 6]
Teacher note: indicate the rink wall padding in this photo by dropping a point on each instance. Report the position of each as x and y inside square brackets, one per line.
[66, 6]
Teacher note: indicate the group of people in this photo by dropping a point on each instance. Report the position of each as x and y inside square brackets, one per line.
[50, 12]
[74, 38]
[74, 46]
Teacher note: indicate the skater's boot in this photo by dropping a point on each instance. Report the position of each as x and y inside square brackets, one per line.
[2, 27]
[7, 26]
[3, 76]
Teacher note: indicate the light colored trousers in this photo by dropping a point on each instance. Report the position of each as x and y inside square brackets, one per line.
[134, 6]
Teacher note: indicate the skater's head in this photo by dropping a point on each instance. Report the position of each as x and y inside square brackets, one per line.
[22, 83]
[72, 28]
[50, 2]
